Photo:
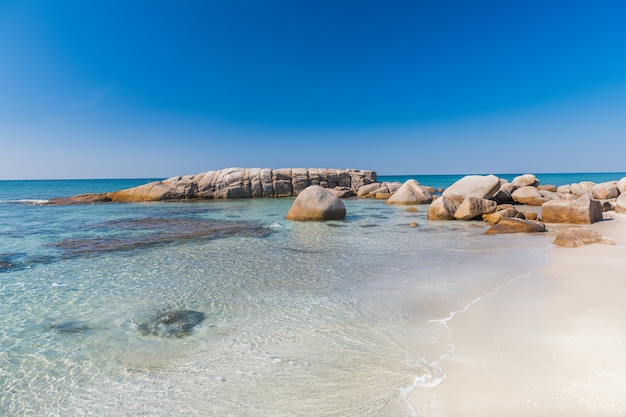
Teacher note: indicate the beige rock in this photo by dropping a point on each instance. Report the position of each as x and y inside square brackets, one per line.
[392, 186]
[564, 189]
[316, 203]
[530, 215]
[367, 189]
[621, 185]
[473, 207]
[154, 191]
[525, 181]
[528, 195]
[478, 186]
[605, 190]
[547, 187]
[574, 238]
[514, 225]
[411, 192]
[382, 196]
[578, 190]
[581, 210]
[550, 195]
[442, 208]
[496, 216]
[620, 203]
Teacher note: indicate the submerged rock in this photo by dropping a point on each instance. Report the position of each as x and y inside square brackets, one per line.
[70, 327]
[174, 323]
[149, 232]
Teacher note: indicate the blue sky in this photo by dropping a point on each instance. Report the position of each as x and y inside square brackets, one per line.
[110, 89]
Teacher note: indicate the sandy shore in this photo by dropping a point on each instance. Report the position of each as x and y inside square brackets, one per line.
[549, 344]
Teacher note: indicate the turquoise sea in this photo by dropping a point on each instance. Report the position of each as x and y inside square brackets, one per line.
[290, 319]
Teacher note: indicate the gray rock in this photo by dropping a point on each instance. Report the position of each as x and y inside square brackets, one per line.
[175, 323]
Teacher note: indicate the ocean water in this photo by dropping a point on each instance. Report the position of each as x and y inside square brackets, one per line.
[300, 319]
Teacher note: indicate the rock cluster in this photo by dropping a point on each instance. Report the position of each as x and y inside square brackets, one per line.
[496, 201]
[237, 183]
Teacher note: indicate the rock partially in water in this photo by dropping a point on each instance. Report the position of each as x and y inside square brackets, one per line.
[174, 323]
[71, 327]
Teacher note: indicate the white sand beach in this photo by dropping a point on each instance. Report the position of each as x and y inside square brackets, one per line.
[549, 344]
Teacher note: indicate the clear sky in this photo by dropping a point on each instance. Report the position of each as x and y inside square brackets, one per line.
[112, 89]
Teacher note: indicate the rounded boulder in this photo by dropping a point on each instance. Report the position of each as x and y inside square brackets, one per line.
[316, 203]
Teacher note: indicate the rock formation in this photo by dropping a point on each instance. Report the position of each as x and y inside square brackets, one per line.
[235, 183]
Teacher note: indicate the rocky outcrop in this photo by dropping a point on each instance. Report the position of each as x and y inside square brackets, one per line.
[316, 203]
[514, 225]
[235, 183]
[579, 211]
[411, 192]
[574, 238]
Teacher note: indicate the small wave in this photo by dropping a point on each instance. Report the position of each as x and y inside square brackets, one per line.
[26, 201]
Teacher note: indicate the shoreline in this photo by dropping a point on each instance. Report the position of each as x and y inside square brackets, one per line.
[548, 344]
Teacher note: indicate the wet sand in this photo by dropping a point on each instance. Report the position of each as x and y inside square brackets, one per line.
[552, 343]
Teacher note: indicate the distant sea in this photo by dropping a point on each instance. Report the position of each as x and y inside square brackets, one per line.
[331, 318]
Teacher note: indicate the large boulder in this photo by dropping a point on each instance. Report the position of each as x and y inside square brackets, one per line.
[620, 203]
[525, 180]
[514, 225]
[478, 186]
[411, 192]
[579, 211]
[528, 195]
[154, 191]
[442, 208]
[573, 238]
[621, 185]
[605, 190]
[472, 208]
[316, 203]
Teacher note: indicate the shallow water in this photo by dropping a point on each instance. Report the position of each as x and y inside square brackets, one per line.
[331, 318]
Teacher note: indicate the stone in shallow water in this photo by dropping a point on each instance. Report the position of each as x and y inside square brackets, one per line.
[70, 327]
[175, 323]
